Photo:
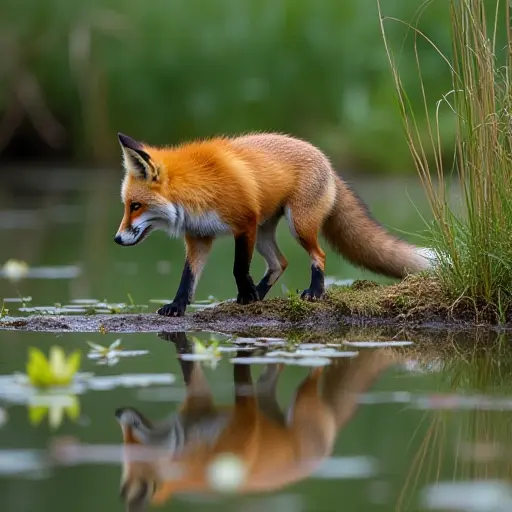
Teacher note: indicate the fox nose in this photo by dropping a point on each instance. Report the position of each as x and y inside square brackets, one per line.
[118, 239]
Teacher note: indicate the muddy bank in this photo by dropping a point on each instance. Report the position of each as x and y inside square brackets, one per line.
[417, 302]
[217, 320]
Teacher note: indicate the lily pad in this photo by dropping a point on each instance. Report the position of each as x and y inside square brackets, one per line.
[16, 388]
[299, 361]
[324, 352]
[376, 344]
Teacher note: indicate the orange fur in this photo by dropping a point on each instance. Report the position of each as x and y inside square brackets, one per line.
[275, 450]
[243, 186]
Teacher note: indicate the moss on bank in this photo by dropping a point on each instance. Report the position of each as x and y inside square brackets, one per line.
[417, 298]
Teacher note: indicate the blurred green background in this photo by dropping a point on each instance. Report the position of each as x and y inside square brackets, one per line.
[73, 73]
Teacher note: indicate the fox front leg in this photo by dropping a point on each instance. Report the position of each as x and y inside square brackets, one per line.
[244, 248]
[197, 250]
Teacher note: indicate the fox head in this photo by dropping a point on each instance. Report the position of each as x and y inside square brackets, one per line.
[139, 481]
[145, 209]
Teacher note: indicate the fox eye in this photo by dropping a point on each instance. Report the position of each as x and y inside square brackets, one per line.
[134, 207]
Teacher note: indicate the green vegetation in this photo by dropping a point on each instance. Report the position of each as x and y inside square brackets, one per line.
[474, 241]
[163, 71]
[417, 298]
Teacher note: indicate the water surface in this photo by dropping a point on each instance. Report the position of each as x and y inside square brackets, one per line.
[374, 427]
[403, 427]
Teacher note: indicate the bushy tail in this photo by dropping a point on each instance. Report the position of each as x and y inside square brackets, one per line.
[351, 231]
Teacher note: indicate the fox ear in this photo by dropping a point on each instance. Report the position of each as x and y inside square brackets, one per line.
[136, 160]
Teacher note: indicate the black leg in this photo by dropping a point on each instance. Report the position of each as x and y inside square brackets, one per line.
[183, 295]
[263, 286]
[316, 288]
[243, 254]
[183, 346]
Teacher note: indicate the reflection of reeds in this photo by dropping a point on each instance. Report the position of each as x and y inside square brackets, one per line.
[428, 457]
[462, 445]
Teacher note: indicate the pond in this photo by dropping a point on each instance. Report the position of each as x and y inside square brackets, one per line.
[200, 420]
[258, 424]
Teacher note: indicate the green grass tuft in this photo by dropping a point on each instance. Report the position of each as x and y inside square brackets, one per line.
[472, 234]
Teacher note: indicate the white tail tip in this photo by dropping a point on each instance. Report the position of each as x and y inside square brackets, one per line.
[429, 254]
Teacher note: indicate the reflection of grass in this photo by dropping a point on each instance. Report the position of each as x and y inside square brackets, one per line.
[486, 368]
[459, 445]
[477, 253]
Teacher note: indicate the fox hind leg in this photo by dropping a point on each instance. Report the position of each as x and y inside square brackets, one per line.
[305, 227]
[266, 245]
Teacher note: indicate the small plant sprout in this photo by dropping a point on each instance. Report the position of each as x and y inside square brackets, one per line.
[15, 270]
[102, 351]
[110, 355]
[57, 370]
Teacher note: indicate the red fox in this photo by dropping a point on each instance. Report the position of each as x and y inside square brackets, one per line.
[243, 186]
[275, 449]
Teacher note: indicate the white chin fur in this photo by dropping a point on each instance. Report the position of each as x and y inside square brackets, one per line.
[180, 221]
[176, 221]
[139, 230]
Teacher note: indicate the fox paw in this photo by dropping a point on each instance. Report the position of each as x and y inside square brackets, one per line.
[248, 296]
[312, 294]
[175, 308]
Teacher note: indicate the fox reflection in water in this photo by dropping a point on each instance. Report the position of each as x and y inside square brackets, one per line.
[275, 449]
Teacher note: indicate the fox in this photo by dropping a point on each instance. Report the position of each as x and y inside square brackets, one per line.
[276, 447]
[242, 186]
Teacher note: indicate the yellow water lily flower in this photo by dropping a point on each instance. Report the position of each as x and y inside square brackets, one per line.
[55, 371]
[200, 349]
[211, 354]
[55, 407]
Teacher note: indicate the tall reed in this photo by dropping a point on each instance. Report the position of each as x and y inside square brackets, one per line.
[473, 236]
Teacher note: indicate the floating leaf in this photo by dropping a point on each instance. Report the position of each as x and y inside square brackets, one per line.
[115, 344]
[96, 347]
[375, 344]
